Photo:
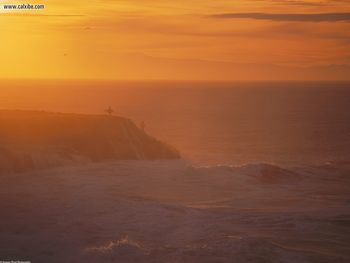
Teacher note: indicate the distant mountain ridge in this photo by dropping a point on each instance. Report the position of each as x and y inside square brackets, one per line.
[34, 139]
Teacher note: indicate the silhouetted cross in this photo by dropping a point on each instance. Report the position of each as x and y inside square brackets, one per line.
[109, 111]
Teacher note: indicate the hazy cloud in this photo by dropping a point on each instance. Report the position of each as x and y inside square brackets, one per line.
[319, 17]
[325, 3]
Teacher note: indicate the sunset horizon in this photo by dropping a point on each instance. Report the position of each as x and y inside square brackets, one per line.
[162, 131]
[192, 40]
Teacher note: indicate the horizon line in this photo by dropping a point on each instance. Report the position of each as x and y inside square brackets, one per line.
[174, 80]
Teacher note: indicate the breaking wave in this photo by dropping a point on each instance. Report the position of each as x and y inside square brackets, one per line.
[172, 211]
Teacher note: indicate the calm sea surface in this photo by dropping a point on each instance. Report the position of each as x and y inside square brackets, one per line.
[285, 123]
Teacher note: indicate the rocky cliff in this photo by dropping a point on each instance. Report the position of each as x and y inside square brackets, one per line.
[32, 139]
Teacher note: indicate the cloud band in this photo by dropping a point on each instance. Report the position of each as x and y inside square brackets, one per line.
[319, 17]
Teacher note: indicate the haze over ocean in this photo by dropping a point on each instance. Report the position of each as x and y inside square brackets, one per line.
[287, 123]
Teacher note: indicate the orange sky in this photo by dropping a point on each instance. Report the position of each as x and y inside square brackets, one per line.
[162, 39]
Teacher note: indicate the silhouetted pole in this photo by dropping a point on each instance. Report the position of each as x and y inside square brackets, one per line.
[142, 125]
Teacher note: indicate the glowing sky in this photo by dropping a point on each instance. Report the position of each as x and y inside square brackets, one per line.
[162, 39]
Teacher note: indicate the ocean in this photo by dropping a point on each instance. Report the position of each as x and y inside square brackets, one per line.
[284, 123]
[264, 176]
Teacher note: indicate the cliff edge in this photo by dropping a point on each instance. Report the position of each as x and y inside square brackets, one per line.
[33, 139]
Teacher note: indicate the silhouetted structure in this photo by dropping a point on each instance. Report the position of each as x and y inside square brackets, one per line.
[142, 125]
[109, 111]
